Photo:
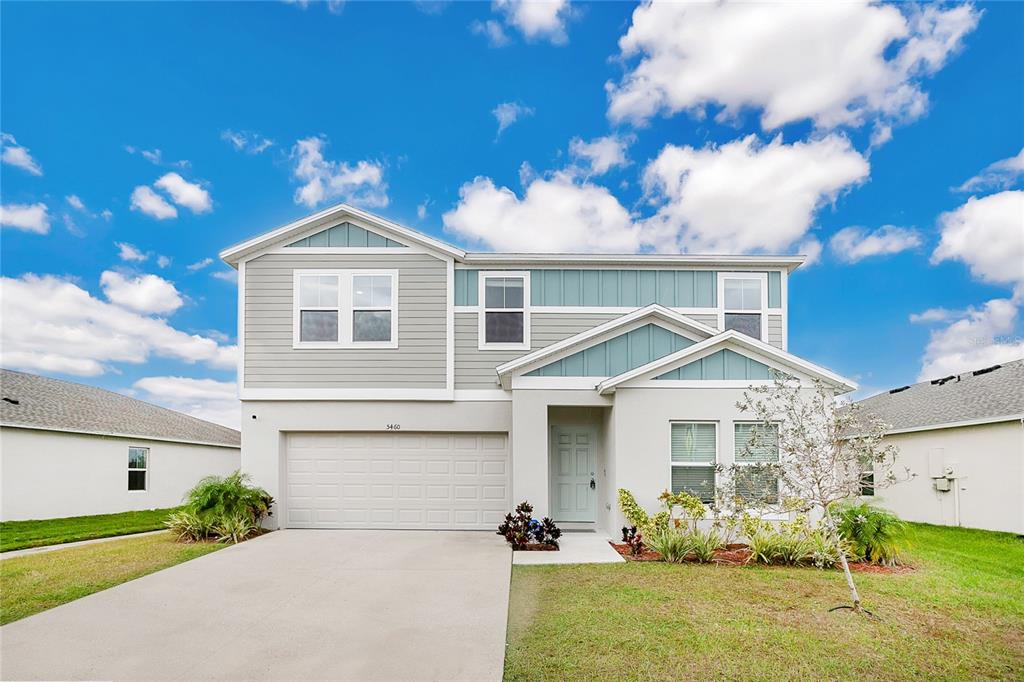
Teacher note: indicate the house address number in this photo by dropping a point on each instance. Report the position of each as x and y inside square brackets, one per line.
[394, 427]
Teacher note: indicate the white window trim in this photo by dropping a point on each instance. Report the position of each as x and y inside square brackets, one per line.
[718, 451]
[762, 277]
[778, 452]
[344, 308]
[482, 309]
[144, 470]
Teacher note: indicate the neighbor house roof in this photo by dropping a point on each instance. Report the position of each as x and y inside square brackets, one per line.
[36, 402]
[985, 395]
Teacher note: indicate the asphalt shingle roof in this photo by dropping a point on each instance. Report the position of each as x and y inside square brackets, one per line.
[34, 401]
[982, 394]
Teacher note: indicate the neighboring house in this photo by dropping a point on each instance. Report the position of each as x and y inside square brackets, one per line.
[963, 438]
[390, 380]
[72, 450]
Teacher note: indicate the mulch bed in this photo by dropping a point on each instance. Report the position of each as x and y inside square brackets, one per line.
[537, 547]
[739, 555]
[645, 554]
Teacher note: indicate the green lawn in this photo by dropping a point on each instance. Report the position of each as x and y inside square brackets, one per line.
[24, 534]
[37, 582]
[959, 615]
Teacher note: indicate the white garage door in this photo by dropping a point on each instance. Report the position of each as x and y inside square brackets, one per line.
[397, 480]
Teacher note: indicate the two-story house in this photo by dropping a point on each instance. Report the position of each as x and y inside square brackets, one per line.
[390, 380]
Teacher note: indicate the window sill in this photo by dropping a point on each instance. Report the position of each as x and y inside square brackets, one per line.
[503, 346]
[345, 346]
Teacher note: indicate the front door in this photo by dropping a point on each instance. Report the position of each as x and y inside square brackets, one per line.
[573, 473]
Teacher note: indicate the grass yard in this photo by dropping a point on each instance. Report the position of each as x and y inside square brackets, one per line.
[959, 615]
[37, 582]
[25, 534]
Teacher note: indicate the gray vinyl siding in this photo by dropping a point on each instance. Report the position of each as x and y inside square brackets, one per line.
[475, 369]
[709, 320]
[773, 330]
[418, 362]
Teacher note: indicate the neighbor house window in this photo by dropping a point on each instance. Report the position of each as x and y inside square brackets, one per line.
[345, 309]
[867, 484]
[138, 461]
[694, 459]
[504, 321]
[742, 304]
[756, 444]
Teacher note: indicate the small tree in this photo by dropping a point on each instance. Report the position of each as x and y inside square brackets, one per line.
[824, 451]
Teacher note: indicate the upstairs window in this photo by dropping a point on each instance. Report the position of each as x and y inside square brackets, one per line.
[695, 459]
[504, 321]
[138, 462]
[345, 309]
[743, 301]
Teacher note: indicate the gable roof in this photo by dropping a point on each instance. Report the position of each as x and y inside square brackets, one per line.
[36, 402]
[602, 332]
[724, 340]
[285, 234]
[983, 395]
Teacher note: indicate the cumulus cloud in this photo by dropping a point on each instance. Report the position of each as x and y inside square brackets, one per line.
[246, 141]
[26, 217]
[508, 113]
[145, 200]
[184, 193]
[810, 248]
[209, 399]
[163, 261]
[76, 333]
[555, 214]
[537, 19]
[853, 62]
[745, 196]
[147, 294]
[600, 154]
[852, 244]
[130, 253]
[1002, 174]
[988, 235]
[492, 30]
[13, 154]
[982, 338]
[361, 184]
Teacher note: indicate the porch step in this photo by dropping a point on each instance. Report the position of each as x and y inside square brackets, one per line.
[577, 526]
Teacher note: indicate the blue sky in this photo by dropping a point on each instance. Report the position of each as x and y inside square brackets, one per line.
[626, 128]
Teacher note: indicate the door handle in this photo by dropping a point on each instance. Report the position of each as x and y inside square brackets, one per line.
[593, 484]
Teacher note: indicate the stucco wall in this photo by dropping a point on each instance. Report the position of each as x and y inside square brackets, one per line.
[49, 474]
[989, 461]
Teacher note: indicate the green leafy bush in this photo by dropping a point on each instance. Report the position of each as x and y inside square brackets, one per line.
[229, 496]
[187, 526]
[235, 528]
[873, 534]
[671, 543]
[635, 514]
[703, 545]
[792, 543]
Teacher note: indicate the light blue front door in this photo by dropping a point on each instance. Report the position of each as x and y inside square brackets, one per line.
[573, 473]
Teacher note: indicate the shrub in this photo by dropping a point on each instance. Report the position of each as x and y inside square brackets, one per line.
[228, 497]
[520, 528]
[635, 514]
[235, 528]
[672, 544]
[634, 538]
[873, 534]
[703, 545]
[187, 526]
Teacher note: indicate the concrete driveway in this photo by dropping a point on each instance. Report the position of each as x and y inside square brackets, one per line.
[294, 604]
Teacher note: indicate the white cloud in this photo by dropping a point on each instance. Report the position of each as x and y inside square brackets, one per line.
[852, 244]
[130, 253]
[14, 154]
[226, 275]
[745, 196]
[600, 154]
[184, 193]
[156, 157]
[835, 63]
[27, 217]
[163, 261]
[152, 204]
[209, 399]
[984, 337]
[508, 113]
[71, 226]
[106, 214]
[146, 294]
[492, 30]
[932, 315]
[537, 19]
[199, 264]
[362, 184]
[988, 235]
[76, 203]
[555, 214]
[1002, 174]
[247, 141]
[53, 325]
[811, 248]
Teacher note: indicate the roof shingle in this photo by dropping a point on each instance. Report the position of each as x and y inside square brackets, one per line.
[40, 402]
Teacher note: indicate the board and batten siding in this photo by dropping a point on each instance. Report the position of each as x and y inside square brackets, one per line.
[418, 362]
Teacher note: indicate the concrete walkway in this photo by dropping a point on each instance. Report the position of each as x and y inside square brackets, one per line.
[294, 604]
[68, 545]
[574, 548]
